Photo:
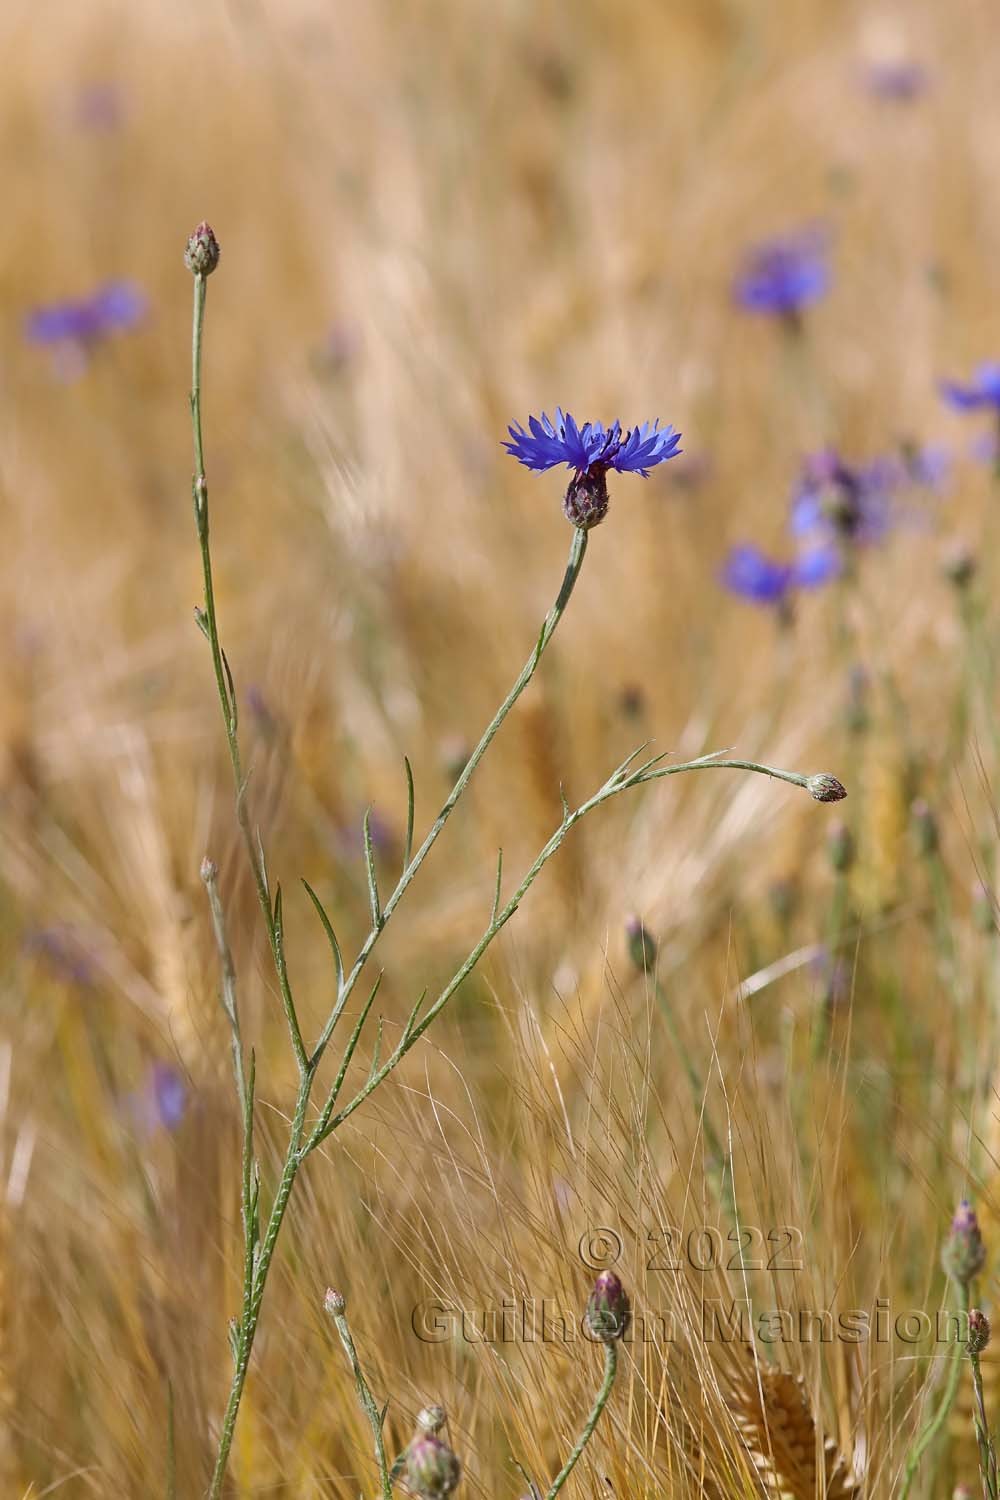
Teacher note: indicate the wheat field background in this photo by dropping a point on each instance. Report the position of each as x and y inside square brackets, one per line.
[434, 220]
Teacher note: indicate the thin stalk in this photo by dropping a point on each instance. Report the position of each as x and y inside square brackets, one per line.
[929, 1432]
[261, 1264]
[984, 1441]
[335, 1305]
[610, 1370]
[224, 682]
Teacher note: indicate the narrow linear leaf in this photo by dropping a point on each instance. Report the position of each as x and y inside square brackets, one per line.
[234, 708]
[565, 805]
[411, 1021]
[331, 936]
[377, 1051]
[496, 888]
[373, 900]
[263, 863]
[201, 620]
[408, 841]
[234, 1340]
[279, 929]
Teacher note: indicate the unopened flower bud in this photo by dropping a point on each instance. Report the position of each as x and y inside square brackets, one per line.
[962, 1492]
[333, 1302]
[641, 945]
[430, 1420]
[979, 1331]
[825, 788]
[209, 870]
[963, 1254]
[840, 848]
[608, 1309]
[924, 828]
[586, 499]
[432, 1469]
[202, 254]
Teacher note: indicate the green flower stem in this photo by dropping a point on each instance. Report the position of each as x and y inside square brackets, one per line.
[984, 1441]
[610, 1370]
[368, 1402]
[225, 686]
[931, 1429]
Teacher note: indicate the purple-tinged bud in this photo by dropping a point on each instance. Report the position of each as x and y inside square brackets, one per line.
[641, 945]
[925, 829]
[202, 254]
[963, 1254]
[586, 499]
[608, 1309]
[962, 1492]
[979, 1331]
[432, 1469]
[333, 1302]
[825, 788]
[430, 1420]
[209, 870]
[840, 848]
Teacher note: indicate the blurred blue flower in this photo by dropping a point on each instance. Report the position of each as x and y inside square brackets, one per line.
[927, 464]
[168, 1095]
[782, 276]
[112, 308]
[591, 448]
[898, 79]
[839, 501]
[982, 390]
[751, 574]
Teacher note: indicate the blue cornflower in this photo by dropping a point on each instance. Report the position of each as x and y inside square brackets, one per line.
[782, 276]
[590, 450]
[83, 322]
[982, 390]
[752, 575]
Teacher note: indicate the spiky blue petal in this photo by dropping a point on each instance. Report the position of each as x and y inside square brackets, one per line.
[549, 442]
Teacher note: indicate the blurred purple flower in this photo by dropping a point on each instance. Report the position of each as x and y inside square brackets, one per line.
[751, 574]
[112, 308]
[927, 465]
[62, 949]
[98, 106]
[782, 276]
[162, 1101]
[983, 390]
[842, 502]
[168, 1093]
[898, 79]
